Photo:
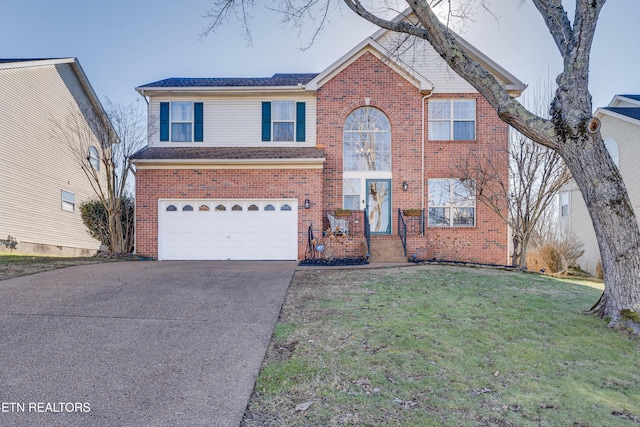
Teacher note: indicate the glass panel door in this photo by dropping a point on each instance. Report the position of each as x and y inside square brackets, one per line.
[379, 205]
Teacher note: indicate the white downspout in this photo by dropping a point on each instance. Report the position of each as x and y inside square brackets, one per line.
[424, 98]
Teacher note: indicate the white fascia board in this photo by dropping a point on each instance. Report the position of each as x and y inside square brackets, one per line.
[622, 98]
[373, 46]
[602, 112]
[37, 63]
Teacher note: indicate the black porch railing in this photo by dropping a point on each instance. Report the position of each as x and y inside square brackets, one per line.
[402, 231]
[367, 233]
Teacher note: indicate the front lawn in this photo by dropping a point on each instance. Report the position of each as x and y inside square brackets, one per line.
[444, 346]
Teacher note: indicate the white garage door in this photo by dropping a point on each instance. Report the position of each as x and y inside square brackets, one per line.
[228, 229]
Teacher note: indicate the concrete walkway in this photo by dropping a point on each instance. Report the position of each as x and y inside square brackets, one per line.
[136, 343]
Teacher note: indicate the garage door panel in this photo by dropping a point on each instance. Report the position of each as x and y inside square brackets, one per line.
[224, 232]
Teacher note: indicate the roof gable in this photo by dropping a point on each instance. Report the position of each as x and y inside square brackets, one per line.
[15, 63]
[511, 83]
[623, 107]
[369, 45]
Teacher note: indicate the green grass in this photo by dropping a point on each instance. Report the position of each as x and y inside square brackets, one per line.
[438, 345]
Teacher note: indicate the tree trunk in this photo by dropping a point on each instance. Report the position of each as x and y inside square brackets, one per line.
[614, 223]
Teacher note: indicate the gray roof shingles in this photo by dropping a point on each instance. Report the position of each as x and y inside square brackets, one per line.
[275, 80]
[228, 153]
[634, 113]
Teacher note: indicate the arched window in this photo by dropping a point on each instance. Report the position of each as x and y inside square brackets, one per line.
[269, 208]
[236, 208]
[612, 147]
[253, 208]
[187, 208]
[221, 208]
[204, 208]
[285, 208]
[367, 141]
[171, 208]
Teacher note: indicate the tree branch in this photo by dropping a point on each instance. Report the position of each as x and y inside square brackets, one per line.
[557, 22]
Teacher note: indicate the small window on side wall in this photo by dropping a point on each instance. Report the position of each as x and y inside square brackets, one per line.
[68, 201]
[94, 158]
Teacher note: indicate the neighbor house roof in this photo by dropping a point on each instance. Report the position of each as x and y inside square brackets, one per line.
[633, 112]
[634, 97]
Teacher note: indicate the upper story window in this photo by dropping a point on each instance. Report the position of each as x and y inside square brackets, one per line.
[367, 141]
[283, 121]
[94, 158]
[452, 119]
[452, 203]
[181, 121]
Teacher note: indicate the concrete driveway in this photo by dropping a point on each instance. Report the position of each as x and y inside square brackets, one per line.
[136, 343]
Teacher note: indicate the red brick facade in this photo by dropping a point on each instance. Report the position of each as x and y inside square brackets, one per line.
[154, 184]
[366, 81]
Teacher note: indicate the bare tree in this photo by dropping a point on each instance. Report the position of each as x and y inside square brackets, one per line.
[102, 143]
[521, 199]
[571, 130]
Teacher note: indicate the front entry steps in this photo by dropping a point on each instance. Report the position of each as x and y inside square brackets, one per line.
[387, 250]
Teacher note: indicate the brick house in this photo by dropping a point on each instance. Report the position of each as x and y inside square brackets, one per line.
[247, 168]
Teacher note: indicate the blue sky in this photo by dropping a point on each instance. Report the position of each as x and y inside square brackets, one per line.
[125, 43]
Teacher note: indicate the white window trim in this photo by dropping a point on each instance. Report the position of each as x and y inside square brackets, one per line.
[172, 121]
[274, 121]
[452, 120]
[67, 201]
[94, 158]
[452, 206]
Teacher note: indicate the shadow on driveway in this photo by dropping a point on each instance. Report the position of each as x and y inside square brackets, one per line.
[137, 343]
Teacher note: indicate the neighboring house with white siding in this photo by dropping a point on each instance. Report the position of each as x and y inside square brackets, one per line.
[41, 185]
[620, 128]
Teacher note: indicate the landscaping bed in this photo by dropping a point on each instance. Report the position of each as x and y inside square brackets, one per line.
[335, 262]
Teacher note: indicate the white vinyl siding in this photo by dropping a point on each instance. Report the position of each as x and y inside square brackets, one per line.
[235, 121]
[421, 56]
[625, 133]
[33, 166]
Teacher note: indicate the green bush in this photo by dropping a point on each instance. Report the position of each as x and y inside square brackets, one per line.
[94, 216]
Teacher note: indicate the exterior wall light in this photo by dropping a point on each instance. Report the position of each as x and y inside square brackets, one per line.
[405, 186]
[307, 204]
